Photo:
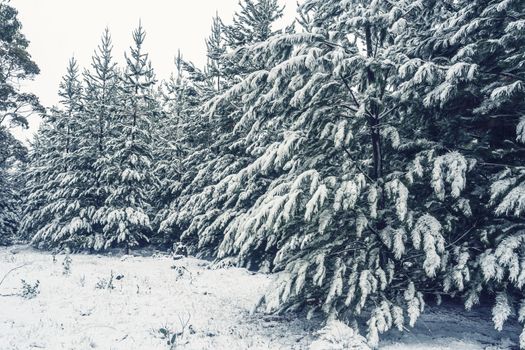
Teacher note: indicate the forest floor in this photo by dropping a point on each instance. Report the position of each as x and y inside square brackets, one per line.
[144, 302]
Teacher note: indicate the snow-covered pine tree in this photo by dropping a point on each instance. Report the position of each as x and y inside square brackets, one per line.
[184, 96]
[179, 132]
[323, 193]
[70, 92]
[101, 107]
[40, 179]
[126, 213]
[221, 151]
[62, 191]
[253, 23]
[35, 179]
[335, 214]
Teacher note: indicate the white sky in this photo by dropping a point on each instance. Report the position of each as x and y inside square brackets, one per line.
[59, 29]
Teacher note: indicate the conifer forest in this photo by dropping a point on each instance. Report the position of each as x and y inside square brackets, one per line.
[341, 177]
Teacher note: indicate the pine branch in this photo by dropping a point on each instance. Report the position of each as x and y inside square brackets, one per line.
[356, 102]
[357, 165]
[385, 113]
[463, 235]
[501, 165]
[358, 105]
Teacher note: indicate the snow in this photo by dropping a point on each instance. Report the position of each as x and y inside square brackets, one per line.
[155, 297]
[444, 328]
[71, 313]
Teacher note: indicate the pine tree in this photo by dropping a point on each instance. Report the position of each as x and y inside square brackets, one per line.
[101, 86]
[179, 133]
[70, 92]
[323, 196]
[252, 24]
[16, 65]
[40, 180]
[125, 216]
[15, 106]
[62, 192]
[100, 111]
[221, 151]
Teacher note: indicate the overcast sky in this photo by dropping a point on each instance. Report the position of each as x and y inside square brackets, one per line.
[59, 29]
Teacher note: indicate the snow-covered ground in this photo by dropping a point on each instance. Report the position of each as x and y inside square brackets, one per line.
[152, 300]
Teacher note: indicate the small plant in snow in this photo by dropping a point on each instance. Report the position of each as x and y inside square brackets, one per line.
[10, 258]
[82, 280]
[179, 251]
[181, 271]
[169, 335]
[174, 338]
[54, 253]
[66, 264]
[104, 283]
[28, 290]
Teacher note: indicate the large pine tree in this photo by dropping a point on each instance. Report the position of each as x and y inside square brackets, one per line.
[363, 135]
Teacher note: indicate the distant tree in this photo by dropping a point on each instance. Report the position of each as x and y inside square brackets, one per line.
[41, 180]
[70, 93]
[178, 133]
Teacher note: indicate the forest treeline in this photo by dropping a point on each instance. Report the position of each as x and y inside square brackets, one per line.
[372, 154]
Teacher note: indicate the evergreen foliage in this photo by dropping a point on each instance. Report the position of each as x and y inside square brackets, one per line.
[12, 159]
